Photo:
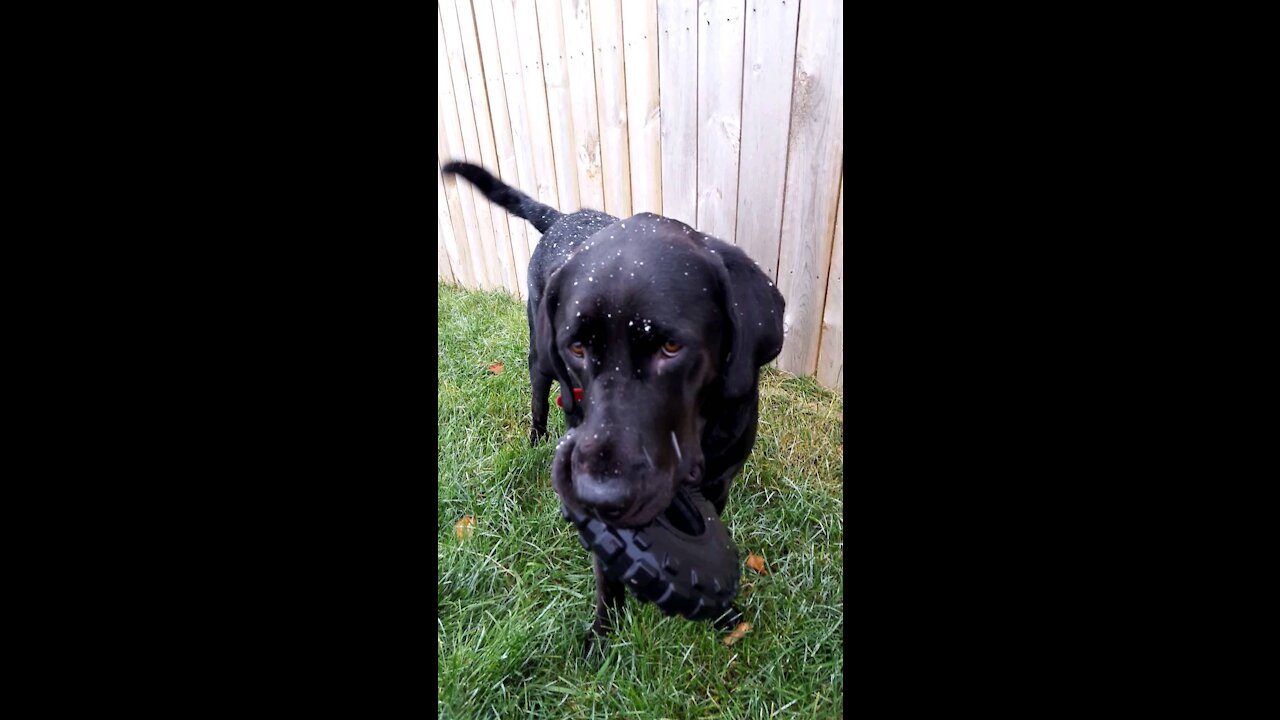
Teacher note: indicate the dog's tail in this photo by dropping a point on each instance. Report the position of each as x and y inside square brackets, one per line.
[517, 203]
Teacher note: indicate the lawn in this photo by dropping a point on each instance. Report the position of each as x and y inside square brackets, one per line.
[516, 597]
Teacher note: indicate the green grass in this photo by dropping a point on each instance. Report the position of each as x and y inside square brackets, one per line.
[517, 597]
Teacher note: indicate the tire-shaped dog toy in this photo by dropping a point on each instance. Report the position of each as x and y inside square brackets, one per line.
[683, 561]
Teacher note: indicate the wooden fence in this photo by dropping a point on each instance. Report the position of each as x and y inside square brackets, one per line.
[725, 114]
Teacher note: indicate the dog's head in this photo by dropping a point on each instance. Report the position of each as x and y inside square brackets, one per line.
[653, 321]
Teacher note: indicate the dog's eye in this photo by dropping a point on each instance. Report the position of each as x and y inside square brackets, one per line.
[577, 349]
[671, 348]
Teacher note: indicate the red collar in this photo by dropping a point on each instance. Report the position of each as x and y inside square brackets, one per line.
[577, 395]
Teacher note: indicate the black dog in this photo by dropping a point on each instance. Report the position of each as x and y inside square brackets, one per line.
[663, 329]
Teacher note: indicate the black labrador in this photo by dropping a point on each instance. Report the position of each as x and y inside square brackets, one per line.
[663, 330]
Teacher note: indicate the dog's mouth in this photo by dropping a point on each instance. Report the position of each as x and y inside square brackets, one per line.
[673, 505]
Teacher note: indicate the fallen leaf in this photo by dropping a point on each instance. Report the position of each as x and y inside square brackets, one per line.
[737, 633]
[755, 562]
[465, 527]
[497, 368]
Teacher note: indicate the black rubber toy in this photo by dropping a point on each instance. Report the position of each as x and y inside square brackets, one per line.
[683, 562]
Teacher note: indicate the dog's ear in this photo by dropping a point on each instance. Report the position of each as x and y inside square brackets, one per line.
[754, 309]
[546, 345]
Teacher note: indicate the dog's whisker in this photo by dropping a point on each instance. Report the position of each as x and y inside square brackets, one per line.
[646, 457]
[676, 444]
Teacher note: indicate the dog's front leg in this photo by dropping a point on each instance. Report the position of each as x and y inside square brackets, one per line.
[609, 595]
[541, 385]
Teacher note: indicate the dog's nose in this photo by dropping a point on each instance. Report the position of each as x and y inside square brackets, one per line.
[603, 493]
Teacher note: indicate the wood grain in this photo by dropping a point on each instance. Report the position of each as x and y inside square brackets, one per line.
[644, 124]
[768, 68]
[831, 347]
[720, 37]
[576, 16]
[611, 103]
[678, 88]
[516, 253]
[501, 250]
[483, 244]
[815, 160]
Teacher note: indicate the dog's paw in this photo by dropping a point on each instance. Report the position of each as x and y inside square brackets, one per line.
[595, 647]
[729, 620]
[536, 436]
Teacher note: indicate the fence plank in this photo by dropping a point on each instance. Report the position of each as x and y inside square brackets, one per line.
[576, 16]
[448, 241]
[488, 146]
[444, 271]
[469, 268]
[831, 349]
[720, 35]
[644, 126]
[768, 69]
[517, 250]
[482, 240]
[560, 105]
[451, 218]
[814, 164]
[532, 33]
[611, 103]
[677, 53]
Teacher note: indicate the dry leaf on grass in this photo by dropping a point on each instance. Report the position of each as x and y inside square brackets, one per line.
[737, 633]
[755, 562]
[497, 368]
[465, 527]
